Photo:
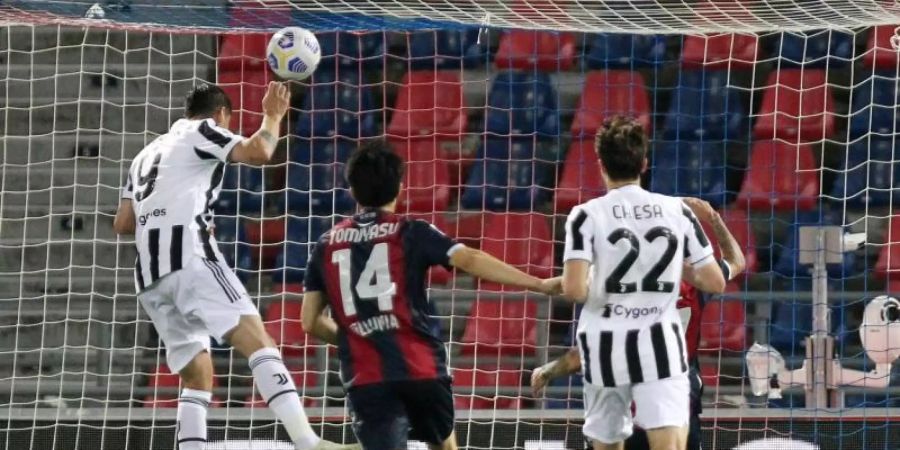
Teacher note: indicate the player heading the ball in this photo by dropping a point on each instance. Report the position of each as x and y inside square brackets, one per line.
[181, 278]
[371, 270]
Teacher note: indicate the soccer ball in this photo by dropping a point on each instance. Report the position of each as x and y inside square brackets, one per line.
[294, 53]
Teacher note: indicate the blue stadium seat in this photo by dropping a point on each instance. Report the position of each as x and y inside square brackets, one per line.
[315, 177]
[689, 168]
[242, 191]
[522, 103]
[350, 51]
[337, 106]
[509, 173]
[446, 49]
[867, 178]
[302, 233]
[617, 51]
[814, 48]
[231, 236]
[874, 106]
[792, 323]
[788, 264]
[705, 107]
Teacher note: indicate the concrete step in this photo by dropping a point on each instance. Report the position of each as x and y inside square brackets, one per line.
[91, 115]
[45, 41]
[116, 148]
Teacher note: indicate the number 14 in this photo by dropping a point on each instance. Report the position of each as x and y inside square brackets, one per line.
[374, 281]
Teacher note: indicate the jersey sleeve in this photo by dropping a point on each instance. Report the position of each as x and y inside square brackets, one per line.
[128, 189]
[579, 236]
[697, 249]
[314, 279]
[436, 247]
[215, 142]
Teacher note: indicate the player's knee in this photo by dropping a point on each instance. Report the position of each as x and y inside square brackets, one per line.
[249, 336]
[198, 374]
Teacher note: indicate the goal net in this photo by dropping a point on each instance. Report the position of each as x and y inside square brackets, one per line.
[781, 113]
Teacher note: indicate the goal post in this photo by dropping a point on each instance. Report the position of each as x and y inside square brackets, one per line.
[780, 113]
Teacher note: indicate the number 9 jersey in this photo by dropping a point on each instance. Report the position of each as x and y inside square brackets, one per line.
[629, 330]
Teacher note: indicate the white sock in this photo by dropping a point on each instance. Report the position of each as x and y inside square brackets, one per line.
[191, 416]
[278, 390]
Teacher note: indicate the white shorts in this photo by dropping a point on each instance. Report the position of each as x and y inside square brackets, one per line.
[188, 306]
[659, 403]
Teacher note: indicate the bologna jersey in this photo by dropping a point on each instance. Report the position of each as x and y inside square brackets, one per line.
[629, 330]
[690, 308]
[173, 183]
[373, 269]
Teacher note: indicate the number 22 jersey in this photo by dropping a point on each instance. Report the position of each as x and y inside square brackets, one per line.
[629, 330]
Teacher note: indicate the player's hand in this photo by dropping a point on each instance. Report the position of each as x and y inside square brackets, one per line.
[539, 380]
[701, 208]
[551, 286]
[277, 100]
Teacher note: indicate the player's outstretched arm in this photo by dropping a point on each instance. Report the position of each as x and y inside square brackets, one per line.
[124, 223]
[486, 267]
[258, 149]
[731, 250]
[566, 364]
[314, 320]
[575, 280]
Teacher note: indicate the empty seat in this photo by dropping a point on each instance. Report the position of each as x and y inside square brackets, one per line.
[522, 103]
[242, 191]
[797, 106]
[347, 52]
[445, 49]
[500, 328]
[686, 168]
[509, 174]
[523, 240]
[533, 49]
[620, 50]
[814, 48]
[720, 51]
[339, 106]
[429, 103]
[780, 176]
[302, 234]
[723, 326]
[282, 322]
[870, 174]
[888, 263]
[315, 177]
[738, 223]
[792, 323]
[880, 53]
[481, 388]
[608, 93]
[581, 179]
[245, 87]
[705, 106]
[874, 106]
[238, 51]
[426, 186]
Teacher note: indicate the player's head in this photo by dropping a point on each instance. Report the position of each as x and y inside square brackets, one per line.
[622, 147]
[374, 173]
[208, 100]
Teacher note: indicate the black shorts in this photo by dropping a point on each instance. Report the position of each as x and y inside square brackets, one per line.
[386, 415]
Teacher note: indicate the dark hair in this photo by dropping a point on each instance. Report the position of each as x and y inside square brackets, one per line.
[204, 100]
[374, 172]
[622, 146]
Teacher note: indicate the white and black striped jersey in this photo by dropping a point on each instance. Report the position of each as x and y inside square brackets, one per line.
[173, 183]
[629, 330]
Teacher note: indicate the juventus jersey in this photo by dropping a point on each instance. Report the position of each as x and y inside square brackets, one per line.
[173, 183]
[630, 330]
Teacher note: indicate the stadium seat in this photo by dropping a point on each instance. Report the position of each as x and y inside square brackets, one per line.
[880, 54]
[242, 191]
[705, 107]
[688, 168]
[266, 236]
[792, 323]
[282, 322]
[720, 51]
[625, 51]
[535, 50]
[723, 327]
[337, 106]
[315, 177]
[607, 93]
[581, 179]
[870, 175]
[888, 264]
[522, 103]
[738, 223]
[426, 186]
[429, 103]
[780, 176]
[304, 378]
[346, 53]
[509, 174]
[446, 49]
[523, 240]
[819, 48]
[874, 106]
[437, 274]
[709, 374]
[471, 379]
[788, 263]
[231, 235]
[797, 106]
[302, 233]
[245, 86]
[506, 327]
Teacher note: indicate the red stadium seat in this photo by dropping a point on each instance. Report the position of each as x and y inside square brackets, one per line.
[780, 176]
[797, 106]
[470, 379]
[429, 103]
[531, 49]
[880, 54]
[720, 51]
[889, 258]
[426, 186]
[304, 378]
[282, 322]
[607, 93]
[738, 223]
[581, 180]
[245, 86]
[501, 327]
[723, 327]
[428, 149]
[267, 237]
[709, 373]
[523, 240]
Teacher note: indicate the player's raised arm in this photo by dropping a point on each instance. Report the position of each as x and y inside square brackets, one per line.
[578, 255]
[258, 148]
[733, 262]
[702, 271]
[487, 267]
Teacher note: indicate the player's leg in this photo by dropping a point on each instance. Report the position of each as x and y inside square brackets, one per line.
[196, 393]
[429, 407]
[668, 438]
[607, 416]
[380, 420]
[663, 410]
